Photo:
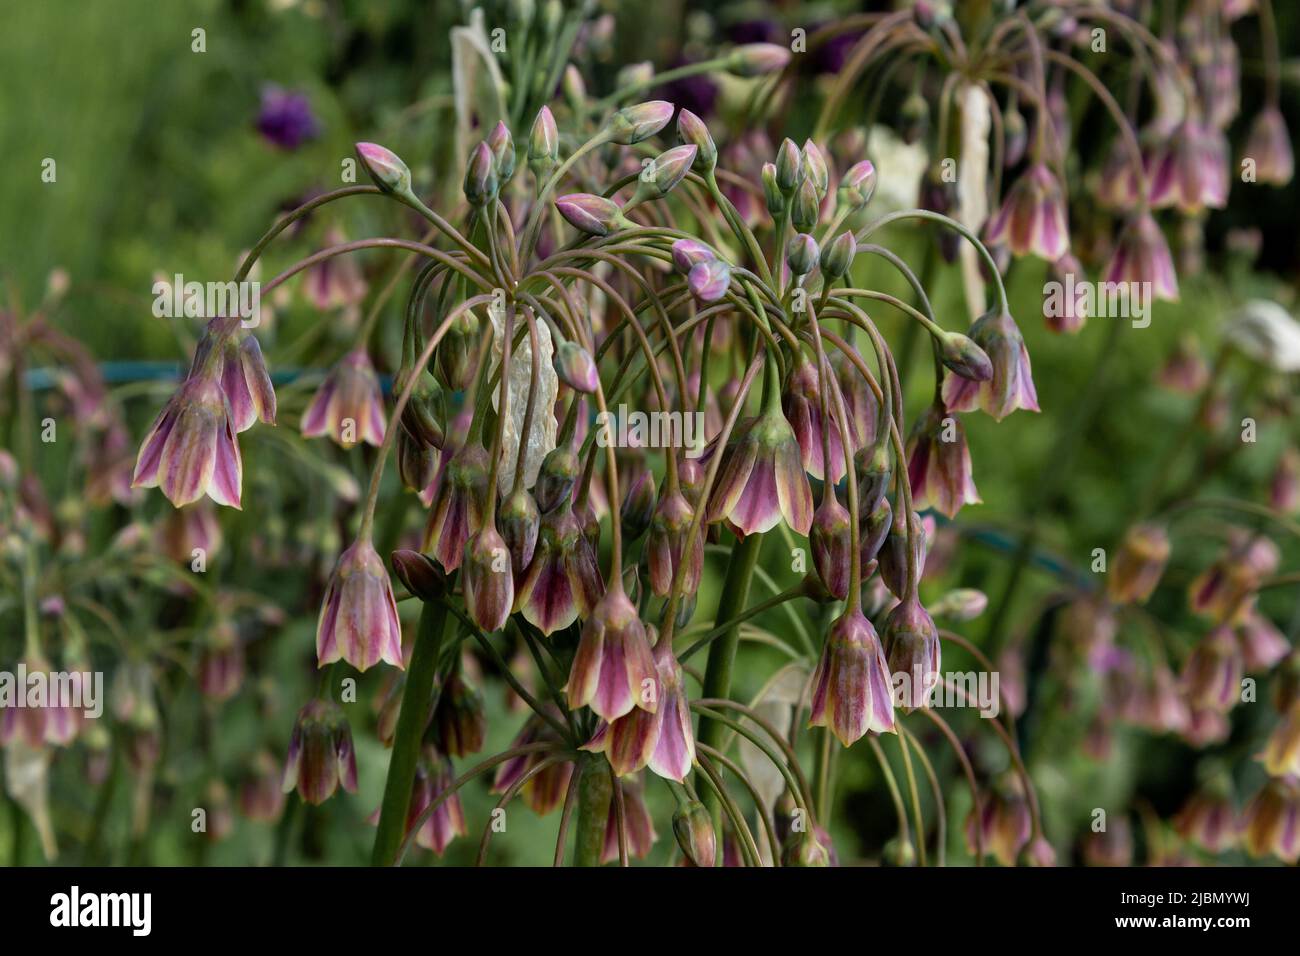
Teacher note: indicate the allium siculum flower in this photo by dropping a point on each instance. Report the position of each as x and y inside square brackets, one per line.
[459, 722]
[1208, 818]
[185, 530]
[912, 653]
[613, 665]
[246, 383]
[320, 753]
[1004, 822]
[1012, 384]
[433, 775]
[336, 282]
[851, 689]
[662, 740]
[42, 720]
[1281, 754]
[1112, 846]
[358, 617]
[1269, 146]
[488, 579]
[1262, 645]
[221, 663]
[1141, 256]
[903, 534]
[260, 797]
[1068, 272]
[666, 544]
[1225, 591]
[563, 580]
[1284, 487]
[1189, 169]
[1271, 823]
[1184, 371]
[938, 463]
[349, 405]
[1032, 220]
[458, 507]
[1139, 564]
[762, 480]
[1213, 671]
[1160, 704]
[639, 825]
[831, 540]
[545, 790]
[803, 409]
[693, 828]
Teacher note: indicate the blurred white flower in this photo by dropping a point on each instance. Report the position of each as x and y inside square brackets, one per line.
[1267, 333]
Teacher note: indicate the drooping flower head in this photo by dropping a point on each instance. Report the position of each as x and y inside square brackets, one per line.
[321, 757]
[938, 463]
[613, 667]
[1142, 256]
[1012, 384]
[358, 617]
[762, 480]
[349, 405]
[191, 449]
[912, 649]
[1032, 220]
[851, 688]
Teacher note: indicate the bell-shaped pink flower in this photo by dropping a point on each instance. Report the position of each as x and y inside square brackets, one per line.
[851, 688]
[246, 383]
[803, 409]
[663, 740]
[638, 823]
[1012, 383]
[1189, 169]
[336, 282]
[1212, 673]
[1269, 146]
[1004, 822]
[458, 506]
[666, 544]
[349, 405]
[358, 617]
[1271, 822]
[831, 539]
[938, 464]
[191, 449]
[544, 791]
[912, 643]
[433, 775]
[1142, 255]
[613, 666]
[320, 753]
[762, 480]
[1208, 818]
[488, 580]
[1262, 645]
[1139, 564]
[1033, 220]
[563, 580]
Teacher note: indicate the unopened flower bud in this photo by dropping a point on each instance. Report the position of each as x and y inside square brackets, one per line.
[757, 59]
[576, 368]
[556, 477]
[638, 506]
[502, 145]
[520, 521]
[961, 604]
[688, 252]
[693, 131]
[965, 358]
[709, 280]
[487, 579]
[814, 164]
[419, 574]
[543, 144]
[771, 191]
[385, 167]
[632, 124]
[858, 185]
[837, 258]
[693, 828]
[801, 254]
[480, 176]
[806, 208]
[665, 171]
[789, 167]
[594, 215]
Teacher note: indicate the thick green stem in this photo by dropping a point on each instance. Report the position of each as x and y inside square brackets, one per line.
[595, 791]
[722, 652]
[417, 698]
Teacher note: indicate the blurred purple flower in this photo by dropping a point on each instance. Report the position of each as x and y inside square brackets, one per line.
[697, 93]
[285, 119]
